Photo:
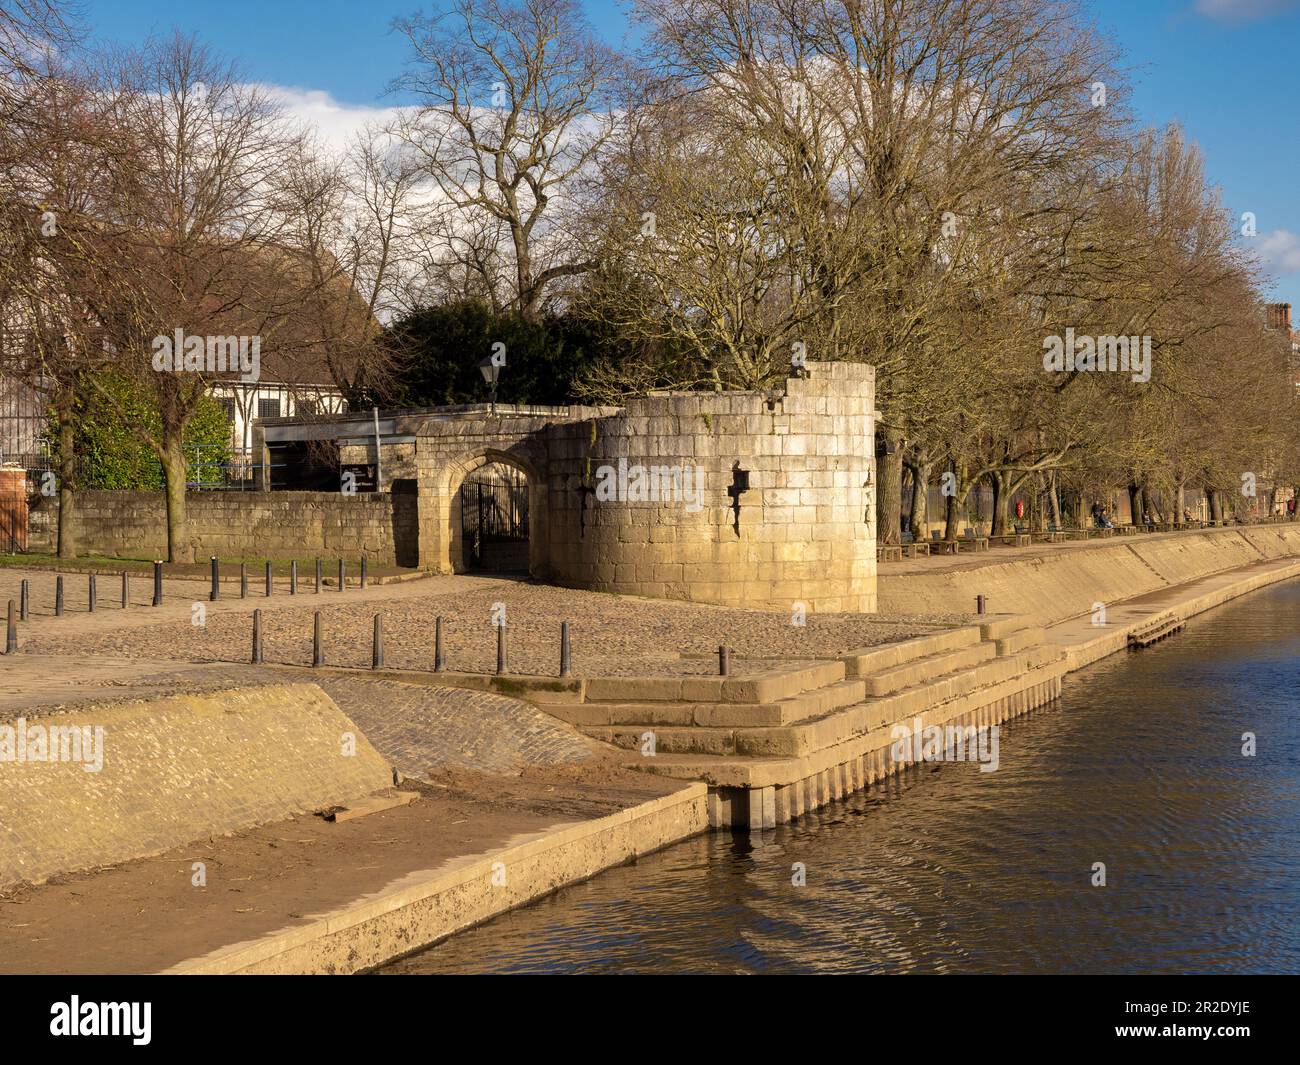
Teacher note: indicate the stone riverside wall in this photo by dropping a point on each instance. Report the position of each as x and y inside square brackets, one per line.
[231, 524]
[803, 533]
[1067, 582]
[175, 770]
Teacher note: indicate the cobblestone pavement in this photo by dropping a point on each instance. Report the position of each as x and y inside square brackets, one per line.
[191, 644]
[417, 729]
[611, 635]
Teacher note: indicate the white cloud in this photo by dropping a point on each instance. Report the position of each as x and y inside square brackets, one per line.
[1279, 251]
[1244, 10]
[335, 122]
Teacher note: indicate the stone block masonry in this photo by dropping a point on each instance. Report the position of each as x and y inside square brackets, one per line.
[759, 499]
[229, 524]
[783, 517]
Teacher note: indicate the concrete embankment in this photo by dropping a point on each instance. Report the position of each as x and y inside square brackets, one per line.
[107, 783]
[424, 907]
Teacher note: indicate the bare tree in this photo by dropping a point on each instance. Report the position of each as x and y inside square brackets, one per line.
[515, 102]
[173, 253]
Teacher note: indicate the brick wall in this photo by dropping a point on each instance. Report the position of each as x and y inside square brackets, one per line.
[233, 524]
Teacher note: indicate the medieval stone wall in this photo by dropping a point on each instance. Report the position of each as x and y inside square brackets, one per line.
[801, 533]
[230, 524]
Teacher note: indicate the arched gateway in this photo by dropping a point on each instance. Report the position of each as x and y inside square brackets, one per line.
[742, 498]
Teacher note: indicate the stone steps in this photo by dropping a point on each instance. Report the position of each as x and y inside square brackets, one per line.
[813, 703]
[770, 686]
[777, 743]
[752, 740]
[915, 672]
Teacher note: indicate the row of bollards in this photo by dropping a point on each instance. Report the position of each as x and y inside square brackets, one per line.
[214, 592]
[439, 651]
[21, 611]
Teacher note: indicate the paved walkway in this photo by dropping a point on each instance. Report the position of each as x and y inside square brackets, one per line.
[417, 729]
[611, 635]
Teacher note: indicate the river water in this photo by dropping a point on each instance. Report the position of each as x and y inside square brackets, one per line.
[951, 870]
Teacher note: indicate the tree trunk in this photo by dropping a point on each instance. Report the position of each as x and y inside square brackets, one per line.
[1054, 501]
[920, 504]
[889, 498]
[952, 504]
[1001, 503]
[67, 481]
[1215, 498]
[179, 549]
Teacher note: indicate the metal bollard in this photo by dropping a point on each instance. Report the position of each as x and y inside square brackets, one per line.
[243, 580]
[363, 571]
[293, 577]
[157, 582]
[503, 652]
[439, 656]
[23, 602]
[126, 590]
[270, 583]
[981, 604]
[317, 653]
[565, 663]
[318, 576]
[724, 661]
[215, 594]
[58, 596]
[342, 575]
[257, 637]
[11, 633]
[377, 648]
[91, 593]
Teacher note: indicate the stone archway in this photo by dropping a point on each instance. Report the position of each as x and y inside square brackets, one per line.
[447, 492]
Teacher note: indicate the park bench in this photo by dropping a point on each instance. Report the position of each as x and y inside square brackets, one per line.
[914, 547]
[889, 553]
[1126, 530]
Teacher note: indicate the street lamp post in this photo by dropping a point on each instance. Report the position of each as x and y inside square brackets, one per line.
[491, 374]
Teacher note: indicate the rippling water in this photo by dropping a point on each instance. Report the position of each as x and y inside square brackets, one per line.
[1139, 765]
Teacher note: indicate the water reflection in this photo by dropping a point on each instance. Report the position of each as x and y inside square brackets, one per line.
[1138, 766]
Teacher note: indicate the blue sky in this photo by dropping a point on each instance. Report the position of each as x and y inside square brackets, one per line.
[1224, 69]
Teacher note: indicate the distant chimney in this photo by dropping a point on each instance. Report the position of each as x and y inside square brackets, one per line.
[1279, 316]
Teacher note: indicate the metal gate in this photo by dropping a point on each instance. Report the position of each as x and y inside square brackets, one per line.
[494, 519]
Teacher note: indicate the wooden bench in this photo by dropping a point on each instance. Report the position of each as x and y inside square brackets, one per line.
[974, 543]
[889, 553]
[917, 549]
[1124, 530]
